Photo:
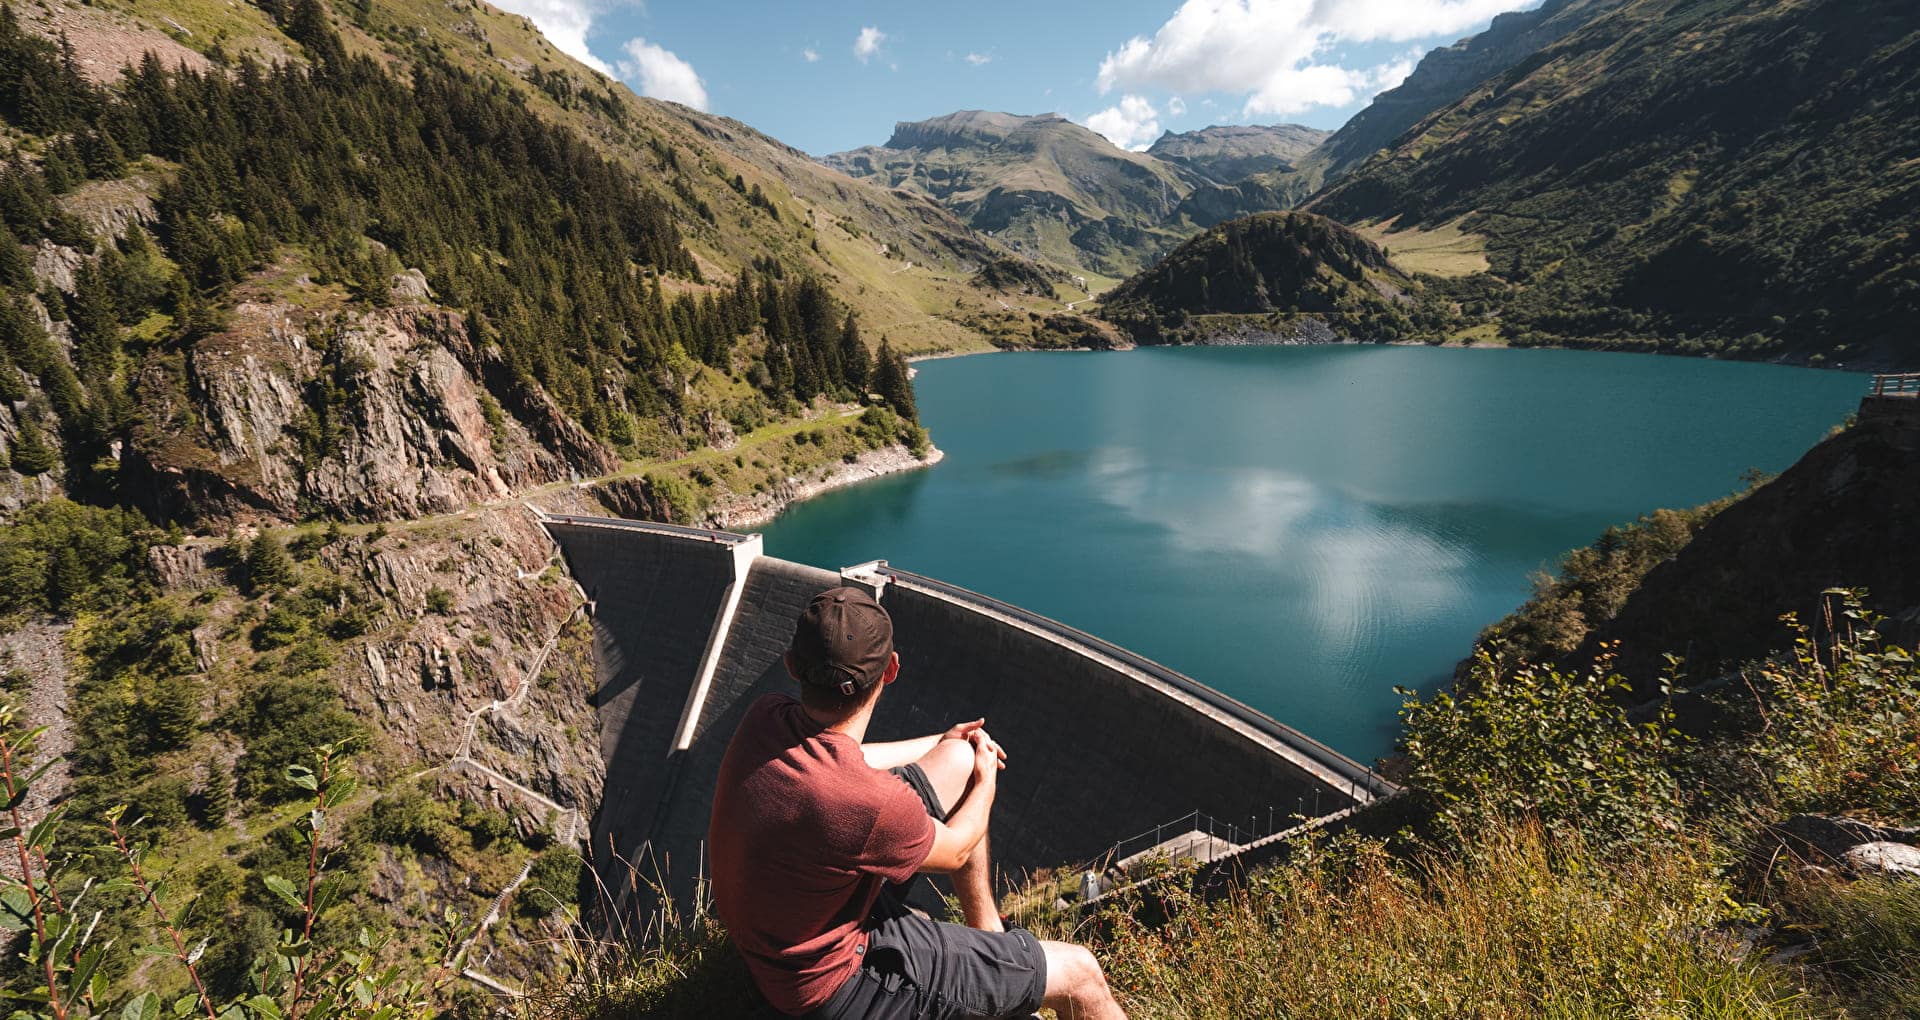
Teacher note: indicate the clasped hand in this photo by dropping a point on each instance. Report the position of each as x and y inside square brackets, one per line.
[985, 749]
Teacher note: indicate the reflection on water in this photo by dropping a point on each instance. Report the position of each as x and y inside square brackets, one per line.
[1354, 571]
[1303, 528]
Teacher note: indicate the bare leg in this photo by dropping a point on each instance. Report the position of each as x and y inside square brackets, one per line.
[1076, 987]
[950, 767]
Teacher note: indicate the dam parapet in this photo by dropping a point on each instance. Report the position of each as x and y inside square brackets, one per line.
[690, 626]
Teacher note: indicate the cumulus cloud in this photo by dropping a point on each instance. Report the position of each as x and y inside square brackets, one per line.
[810, 55]
[565, 24]
[1132, 124]
[662, 75]
[1176, 107]
[867, 43]
[1270, 50]
[976, 59]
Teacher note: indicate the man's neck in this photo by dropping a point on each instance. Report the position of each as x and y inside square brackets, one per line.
[854, 726]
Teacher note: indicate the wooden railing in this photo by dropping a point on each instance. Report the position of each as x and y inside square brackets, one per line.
[1907, 385]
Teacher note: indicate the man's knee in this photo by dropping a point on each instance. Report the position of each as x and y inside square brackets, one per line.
[1073, 975]
[949, 767]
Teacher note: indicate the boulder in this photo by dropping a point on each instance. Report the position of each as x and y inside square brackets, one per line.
[1883, 857]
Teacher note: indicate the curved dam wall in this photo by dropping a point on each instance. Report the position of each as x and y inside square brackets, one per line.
[690, 626]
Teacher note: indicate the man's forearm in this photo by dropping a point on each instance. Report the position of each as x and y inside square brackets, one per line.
[894, 753]
[969, 818]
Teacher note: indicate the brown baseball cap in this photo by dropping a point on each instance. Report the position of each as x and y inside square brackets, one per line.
[843, 640]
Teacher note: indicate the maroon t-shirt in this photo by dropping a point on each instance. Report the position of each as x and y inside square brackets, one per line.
[804, 834]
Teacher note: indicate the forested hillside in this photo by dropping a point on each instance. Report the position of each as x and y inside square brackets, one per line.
[1273, 276]
[1712, 177]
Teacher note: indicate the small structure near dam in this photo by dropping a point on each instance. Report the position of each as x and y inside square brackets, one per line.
[690, 626]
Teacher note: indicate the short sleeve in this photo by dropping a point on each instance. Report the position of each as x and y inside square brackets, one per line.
[902, 835]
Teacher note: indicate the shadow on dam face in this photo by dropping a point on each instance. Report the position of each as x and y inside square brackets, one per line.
[689, 629]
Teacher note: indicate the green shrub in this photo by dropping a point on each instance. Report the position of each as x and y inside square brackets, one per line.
[1541, 743]
[1840, 729]
[281, 720]
[412, 819]
[672, 498]
[553, 883]
[439, 601]
[282, 626]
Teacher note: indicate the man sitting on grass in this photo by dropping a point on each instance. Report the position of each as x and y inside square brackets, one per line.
[815, 835]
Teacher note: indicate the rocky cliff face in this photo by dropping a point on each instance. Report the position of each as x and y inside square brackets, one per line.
[359, 415]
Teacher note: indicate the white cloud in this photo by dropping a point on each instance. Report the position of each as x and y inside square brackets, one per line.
[1270, 50]
[976, 59]
[565, 24]
[1133, 124]
[1176, 107]
[810, 55]
[868, 43]
[1390, 75]
[662, 75]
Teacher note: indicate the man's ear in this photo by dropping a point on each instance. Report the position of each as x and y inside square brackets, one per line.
[787, 659]
[893, 669]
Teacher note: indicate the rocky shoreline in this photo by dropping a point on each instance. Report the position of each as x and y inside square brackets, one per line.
[752, 510]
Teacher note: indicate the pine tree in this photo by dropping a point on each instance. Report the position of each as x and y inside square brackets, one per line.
[66, 578]
[893, 382]
[853, 356]
[268, 565]
[31, 453]
[216, 795]
[171, 706]
[16, 273]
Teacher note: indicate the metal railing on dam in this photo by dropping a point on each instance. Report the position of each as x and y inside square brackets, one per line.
[1901, 385]
[690, 626]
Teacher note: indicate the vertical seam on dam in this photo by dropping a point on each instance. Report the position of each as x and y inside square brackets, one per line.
[744, 553]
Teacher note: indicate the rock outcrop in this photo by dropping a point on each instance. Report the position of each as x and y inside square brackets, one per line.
[357, 415]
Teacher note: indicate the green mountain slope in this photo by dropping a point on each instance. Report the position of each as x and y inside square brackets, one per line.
[1044, 185]
[1720, 176]
[1273, 276]
[1446, 74]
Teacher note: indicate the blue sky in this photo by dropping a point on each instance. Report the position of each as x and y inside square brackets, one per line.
[829, 77]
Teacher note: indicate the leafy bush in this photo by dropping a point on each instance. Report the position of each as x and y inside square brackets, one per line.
[554, 881]
[306, 972]
[412, 819]
[1543, 743]
[281, 720]
[673, 499]
[1840, 727]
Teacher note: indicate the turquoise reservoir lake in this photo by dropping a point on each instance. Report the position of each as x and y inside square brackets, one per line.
[1303, 527]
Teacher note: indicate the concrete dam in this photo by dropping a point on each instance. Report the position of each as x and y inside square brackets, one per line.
[689, 628]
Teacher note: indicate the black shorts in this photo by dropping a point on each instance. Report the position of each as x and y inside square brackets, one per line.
[916, 969]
